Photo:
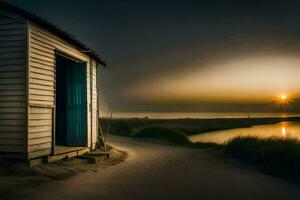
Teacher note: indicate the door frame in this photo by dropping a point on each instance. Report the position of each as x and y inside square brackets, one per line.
[76, 59]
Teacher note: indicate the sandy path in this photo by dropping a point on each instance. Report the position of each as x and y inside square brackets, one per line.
[154, 171]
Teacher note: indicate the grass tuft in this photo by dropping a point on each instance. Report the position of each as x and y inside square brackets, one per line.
[121, 128]
[278, 156]
[204, 145]
[163, 134]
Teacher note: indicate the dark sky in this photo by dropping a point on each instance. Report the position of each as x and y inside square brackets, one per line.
[152, 47]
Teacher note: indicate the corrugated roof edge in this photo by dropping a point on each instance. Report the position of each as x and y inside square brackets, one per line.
[54, 29]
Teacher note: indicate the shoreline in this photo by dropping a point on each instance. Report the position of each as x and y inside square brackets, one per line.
[200, 115]
[211, 118]
[199, 118]
[188, 126]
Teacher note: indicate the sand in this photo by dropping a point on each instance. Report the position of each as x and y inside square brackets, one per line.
[157, 171]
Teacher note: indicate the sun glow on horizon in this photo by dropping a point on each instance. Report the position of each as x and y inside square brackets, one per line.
[284, 99]
[249, 80]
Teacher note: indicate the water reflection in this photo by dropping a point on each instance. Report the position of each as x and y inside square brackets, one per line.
[283, 129]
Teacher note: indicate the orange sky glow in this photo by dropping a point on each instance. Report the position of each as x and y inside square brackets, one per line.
[253, 79]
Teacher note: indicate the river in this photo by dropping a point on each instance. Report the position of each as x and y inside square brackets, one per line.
[282, 129]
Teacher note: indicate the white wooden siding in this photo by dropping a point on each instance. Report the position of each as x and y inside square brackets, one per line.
[39, 132]
[42, 86]
[94, 105]
[12, 85]
[88, 104]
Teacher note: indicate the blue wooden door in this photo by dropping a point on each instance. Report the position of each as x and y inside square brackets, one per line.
[76, 105]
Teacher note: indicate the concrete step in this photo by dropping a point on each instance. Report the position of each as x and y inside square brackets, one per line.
[95, 157]
[67, 155]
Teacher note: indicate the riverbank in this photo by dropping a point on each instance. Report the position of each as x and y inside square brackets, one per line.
[128, 127]
[279, 157]
[17, 176]
[275, 156]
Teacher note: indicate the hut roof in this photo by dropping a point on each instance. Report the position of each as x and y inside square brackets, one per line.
[54, 29]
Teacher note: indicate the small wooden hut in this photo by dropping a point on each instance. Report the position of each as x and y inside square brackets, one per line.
[48, 91]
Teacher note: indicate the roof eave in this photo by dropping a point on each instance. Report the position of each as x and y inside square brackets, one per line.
[52, 28]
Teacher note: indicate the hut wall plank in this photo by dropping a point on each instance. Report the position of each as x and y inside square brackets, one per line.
[12, 85]
[39, 153]
[8, 148]
[89, 131]
[94, 104]
[39, 131]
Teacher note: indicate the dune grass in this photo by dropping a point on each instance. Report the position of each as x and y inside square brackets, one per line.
[121, 128]
[128, 127]
[171, 136]
[163, 134]
[276, 156]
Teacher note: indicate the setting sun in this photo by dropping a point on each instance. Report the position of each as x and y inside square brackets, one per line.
[283, 99]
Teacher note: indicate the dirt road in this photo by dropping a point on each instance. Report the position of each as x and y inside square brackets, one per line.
[154, 171]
